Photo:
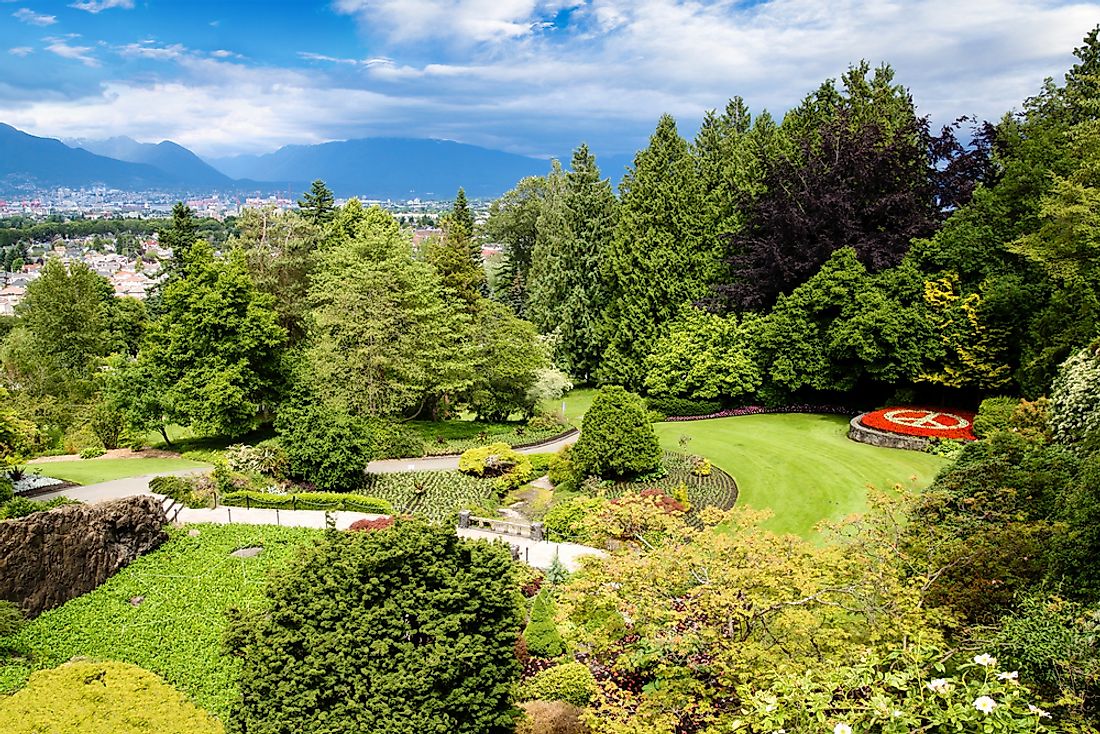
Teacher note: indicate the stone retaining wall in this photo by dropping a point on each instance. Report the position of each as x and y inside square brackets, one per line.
[50, 557]
[859, 432]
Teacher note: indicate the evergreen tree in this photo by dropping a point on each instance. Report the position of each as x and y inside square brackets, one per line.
[179, 237]
[213, 358]
[513, 223]
[659, 257]
[567, 291]
[617, 439]
[318, 205]
[462, 276]
[462, 218]
[402, 631]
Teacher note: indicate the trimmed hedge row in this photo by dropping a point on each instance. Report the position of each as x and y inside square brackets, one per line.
[308, 501]
[761, 410]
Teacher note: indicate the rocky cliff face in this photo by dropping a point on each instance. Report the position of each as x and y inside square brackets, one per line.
[50, 557]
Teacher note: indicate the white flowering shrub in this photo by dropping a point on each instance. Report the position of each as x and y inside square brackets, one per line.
[911, 690]
[1075, 396]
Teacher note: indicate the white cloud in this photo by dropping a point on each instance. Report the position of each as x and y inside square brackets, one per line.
[98, 6]
[458, 21]
[149, 49]
[604, 77]
[29, 16]
[75, 53]
[21, 51]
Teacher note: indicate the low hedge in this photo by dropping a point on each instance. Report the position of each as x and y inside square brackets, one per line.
[309, 501]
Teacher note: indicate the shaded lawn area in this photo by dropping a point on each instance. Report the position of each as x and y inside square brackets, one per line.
[176, 631]
[93, 471]
[577, 402]
[801, 467]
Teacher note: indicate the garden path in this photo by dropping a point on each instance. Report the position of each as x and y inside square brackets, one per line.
[115, 489]
[450, 463]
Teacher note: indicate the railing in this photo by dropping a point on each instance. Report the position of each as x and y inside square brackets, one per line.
[534, 531]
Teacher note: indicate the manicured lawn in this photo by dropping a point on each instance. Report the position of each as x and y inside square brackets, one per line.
[92, 471]
[802, 467]
[577, 402]
[176, 631]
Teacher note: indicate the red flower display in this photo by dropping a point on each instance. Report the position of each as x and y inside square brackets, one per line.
[926, 422]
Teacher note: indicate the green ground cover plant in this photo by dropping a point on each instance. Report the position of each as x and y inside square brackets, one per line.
[175, 630]
[93, 471]
[801, 467]
[434, 495]
[457, 436]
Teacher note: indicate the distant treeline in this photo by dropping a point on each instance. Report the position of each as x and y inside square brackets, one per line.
[24, 229]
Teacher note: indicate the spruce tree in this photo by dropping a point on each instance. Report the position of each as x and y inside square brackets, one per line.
[659, 257]
[462, 223]
[567, 292]
[318, 205]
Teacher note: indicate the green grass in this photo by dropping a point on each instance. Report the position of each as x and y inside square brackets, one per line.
[176, 632]
[186, 440]
[801, 467]
[577, 402]
[93, 471]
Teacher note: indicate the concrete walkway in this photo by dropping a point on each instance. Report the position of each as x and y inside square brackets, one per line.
[115, 489]
[450, 463]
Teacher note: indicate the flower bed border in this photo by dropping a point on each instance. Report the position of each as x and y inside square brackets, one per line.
[876, 419]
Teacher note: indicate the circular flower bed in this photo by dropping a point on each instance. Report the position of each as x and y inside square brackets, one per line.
[924, 422]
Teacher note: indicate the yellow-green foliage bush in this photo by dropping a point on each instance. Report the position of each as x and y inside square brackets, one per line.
[570, 682]
[101, 698]
[511, 468]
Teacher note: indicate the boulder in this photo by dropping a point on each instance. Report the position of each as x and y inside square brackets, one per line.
[50, 557]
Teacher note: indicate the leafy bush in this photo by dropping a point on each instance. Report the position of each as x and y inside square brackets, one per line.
[1075, 397]
[21, 506]
[545, 422]
[381, 523]
[187, 491]
[676, 407]
[617, 439]
[568, 520]
[701, 466]
[551, 717]
[92, 452]
[267, 457]
[540, 463]
[101, 698]
[309, 501]
[570, 682]
[394, 441]
[361, 635]
[994, 414]
[511, 468]
[561, 472]
[325, 447]
[7, 489]
[107, 424]
[541, 633]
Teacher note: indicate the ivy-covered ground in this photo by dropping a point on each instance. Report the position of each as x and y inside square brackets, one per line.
[802, 467]
[186, 586]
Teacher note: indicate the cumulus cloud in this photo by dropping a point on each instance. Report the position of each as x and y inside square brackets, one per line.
[27, 15]
[98, 6]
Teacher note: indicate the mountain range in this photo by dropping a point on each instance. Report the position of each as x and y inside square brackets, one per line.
[397, 168]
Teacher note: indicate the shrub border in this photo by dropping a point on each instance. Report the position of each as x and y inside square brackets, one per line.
[762, 410]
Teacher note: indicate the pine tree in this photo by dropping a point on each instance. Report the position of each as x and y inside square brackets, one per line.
[462, 224]
[318, 205]
[659, 257]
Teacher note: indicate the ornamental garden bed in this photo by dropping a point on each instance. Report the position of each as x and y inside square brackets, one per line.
[920, 423]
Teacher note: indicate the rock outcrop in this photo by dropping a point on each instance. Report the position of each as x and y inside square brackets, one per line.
[50, 557]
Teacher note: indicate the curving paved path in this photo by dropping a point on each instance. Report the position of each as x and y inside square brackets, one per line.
[116, 488]
[450, 463]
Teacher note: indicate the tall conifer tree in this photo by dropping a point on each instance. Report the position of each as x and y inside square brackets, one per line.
[659, 258]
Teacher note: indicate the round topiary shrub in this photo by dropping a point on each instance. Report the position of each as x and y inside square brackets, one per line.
[570, 682]
[617, 440]
[101, 698]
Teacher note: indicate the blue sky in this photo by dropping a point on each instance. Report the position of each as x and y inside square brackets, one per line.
[528, 76]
